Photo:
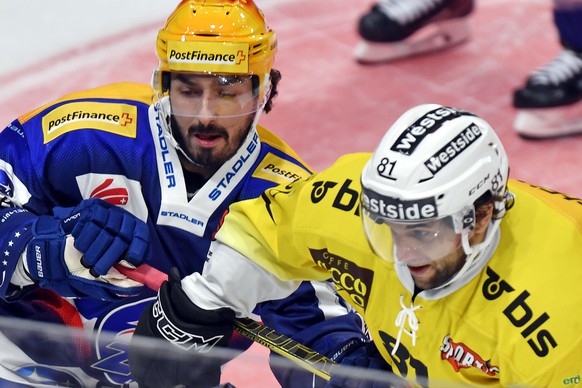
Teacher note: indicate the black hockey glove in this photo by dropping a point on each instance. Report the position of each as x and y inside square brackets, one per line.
[351, 373]
[175, 318]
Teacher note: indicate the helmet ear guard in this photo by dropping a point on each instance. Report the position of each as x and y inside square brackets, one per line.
[160, 80]
[465, 221]
[165, 77]
[464, 224]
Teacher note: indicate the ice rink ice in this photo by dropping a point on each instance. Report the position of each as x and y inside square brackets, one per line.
[328, 104]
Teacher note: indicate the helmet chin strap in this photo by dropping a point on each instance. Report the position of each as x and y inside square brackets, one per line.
[472, 252]
[465, 242]
[165, 109]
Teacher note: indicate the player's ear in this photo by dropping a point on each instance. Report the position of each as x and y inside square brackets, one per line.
[484, 214]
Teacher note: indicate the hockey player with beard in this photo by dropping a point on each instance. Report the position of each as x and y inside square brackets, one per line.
[127, 174]
[464, 276]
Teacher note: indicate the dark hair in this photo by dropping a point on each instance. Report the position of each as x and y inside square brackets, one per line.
[275, 76]
[488, 199]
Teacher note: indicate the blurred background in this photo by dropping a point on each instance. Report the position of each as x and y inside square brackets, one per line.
[328, 104]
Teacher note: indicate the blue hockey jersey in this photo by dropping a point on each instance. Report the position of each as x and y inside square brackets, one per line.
[109, 143]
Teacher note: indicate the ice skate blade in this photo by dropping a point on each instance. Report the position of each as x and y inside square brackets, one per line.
[545, 123]
[433, 37]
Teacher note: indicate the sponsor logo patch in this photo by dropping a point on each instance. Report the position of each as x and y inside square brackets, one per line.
[279, 170]
[427, 124]
[453, 149]
[399, 210]
[116, 189]
[113, 195]
[120, 119]
[349, 277]
[216, 57]
[533, 325]
[574, 380]
[461, 356]
[179, 337]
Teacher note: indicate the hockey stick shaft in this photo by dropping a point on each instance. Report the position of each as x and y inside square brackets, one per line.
[307, 358]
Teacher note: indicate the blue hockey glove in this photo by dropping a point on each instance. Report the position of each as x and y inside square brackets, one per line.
[351, 373]
[105, 233]
[73, 252]
[175, 318]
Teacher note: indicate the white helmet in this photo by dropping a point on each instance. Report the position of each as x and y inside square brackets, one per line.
[434, 162]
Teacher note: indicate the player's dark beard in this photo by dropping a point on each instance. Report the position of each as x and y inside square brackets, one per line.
[207, 157]
[447, 272]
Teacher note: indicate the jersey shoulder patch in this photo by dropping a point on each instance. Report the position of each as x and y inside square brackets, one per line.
[275, 141]
[111, 108]
[279, 170]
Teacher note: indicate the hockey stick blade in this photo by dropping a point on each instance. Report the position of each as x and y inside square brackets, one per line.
[307, 358]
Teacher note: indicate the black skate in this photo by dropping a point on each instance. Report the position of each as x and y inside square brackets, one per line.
[394, 29]
[547, 103]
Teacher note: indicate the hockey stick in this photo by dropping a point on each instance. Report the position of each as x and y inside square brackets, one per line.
[309, 359]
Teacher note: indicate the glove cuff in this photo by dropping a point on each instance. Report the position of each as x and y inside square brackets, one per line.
[188, 326]
[348, 348]
[47, 239]
[12, 247]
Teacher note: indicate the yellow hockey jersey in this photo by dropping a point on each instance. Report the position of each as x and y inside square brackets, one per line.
[516, 323]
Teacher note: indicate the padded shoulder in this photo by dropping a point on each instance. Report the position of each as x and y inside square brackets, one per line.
[120, 91]
[275, 141]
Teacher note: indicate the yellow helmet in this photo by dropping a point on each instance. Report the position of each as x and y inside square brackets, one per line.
[216, 36]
